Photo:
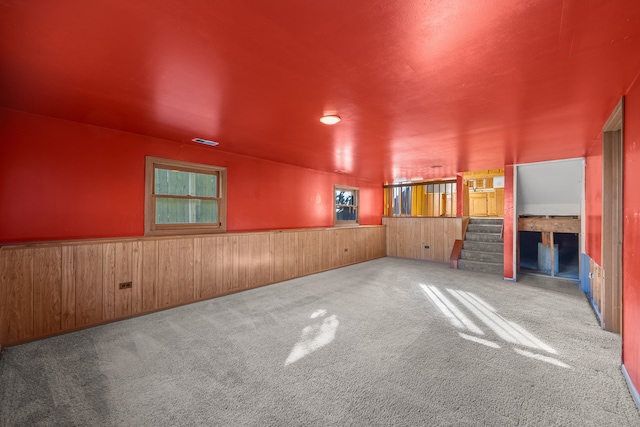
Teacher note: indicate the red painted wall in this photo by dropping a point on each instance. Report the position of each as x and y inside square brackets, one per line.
[593, 203]
[631, 242]
[509, 212]
[66, 180]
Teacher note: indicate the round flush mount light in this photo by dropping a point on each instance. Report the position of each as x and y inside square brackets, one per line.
[330, 119]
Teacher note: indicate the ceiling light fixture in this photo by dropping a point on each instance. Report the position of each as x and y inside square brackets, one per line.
[330, 119]
[205, 142]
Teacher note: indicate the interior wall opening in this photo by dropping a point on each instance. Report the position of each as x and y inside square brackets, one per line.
[537, 257]
[483, 193]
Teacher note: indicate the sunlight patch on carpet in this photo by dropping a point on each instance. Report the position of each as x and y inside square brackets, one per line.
[314, 336]
[506, 330]
[455, 316]
[318, 313]
[541, 358]
[479, 340]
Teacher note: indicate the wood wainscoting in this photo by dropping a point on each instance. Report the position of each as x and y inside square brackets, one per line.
[408, 237]
[56, 287]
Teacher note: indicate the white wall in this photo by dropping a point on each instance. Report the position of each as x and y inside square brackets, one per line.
[550, 188]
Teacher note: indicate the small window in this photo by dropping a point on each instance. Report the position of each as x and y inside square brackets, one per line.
[346, 203]
[184, 198]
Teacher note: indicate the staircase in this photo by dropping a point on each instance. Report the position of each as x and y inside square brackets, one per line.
[483, 248]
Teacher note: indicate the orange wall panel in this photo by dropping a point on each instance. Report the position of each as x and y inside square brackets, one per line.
[65, 180]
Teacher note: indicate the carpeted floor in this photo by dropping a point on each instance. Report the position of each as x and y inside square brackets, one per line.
[387, 342]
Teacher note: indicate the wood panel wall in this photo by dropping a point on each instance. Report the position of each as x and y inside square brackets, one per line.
[408, 236]
[51, 288]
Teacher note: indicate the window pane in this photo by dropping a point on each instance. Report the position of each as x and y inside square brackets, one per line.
[184, 211]
[396, 201]
[406, 201]
[344, 197]
[424, 199]
[346, 214]
[179, 183]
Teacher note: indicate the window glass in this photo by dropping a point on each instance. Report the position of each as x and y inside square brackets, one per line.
[182, 183]
[183, 197]
[406, 201]
[435, 198]
[396, 200]
[180, 211]
[346, 205]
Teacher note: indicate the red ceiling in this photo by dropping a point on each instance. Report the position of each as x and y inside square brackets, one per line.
[458, 83]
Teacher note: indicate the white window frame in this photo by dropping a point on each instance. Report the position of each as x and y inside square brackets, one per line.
[356, 206]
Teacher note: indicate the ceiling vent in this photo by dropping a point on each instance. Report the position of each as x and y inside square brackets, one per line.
[205, 142]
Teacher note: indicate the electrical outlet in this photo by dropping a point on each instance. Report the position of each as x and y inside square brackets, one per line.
[426, 246]
[125, 285]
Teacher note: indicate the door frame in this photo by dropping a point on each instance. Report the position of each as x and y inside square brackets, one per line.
[612, 218]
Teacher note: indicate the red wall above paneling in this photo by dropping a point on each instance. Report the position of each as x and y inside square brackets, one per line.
[631, 241]
[593, 203]
[66, 180]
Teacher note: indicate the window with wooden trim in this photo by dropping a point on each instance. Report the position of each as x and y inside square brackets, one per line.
[184, 198]
[431, 199]
[346, 201]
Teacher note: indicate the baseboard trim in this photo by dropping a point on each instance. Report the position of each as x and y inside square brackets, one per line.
[594, 307]
[632, 388]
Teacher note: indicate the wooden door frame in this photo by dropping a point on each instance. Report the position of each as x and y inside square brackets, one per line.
[612, 218]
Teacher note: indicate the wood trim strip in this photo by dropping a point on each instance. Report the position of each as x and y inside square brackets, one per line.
[612, 219]
[56, 243]
[455, 253]
[616, 119]
[553, 224]
[465, 225]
